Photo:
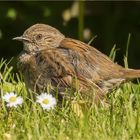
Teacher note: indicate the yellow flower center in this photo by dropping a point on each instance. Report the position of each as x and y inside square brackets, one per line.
[46, 101]
[13, 99]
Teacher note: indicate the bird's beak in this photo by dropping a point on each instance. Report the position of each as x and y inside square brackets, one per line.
[21, 38]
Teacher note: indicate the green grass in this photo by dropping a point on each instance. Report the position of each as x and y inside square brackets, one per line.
[120, 121]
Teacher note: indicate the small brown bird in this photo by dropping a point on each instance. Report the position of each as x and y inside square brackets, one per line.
[49, 58]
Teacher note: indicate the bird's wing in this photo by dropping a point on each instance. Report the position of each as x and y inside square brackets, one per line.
[89, 62]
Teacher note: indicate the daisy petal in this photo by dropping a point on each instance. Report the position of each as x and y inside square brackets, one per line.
[47, 101]
[12, 100]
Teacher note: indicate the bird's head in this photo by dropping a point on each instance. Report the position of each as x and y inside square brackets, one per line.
[39, 37]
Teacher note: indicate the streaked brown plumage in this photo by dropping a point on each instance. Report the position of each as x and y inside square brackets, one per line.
[49, 57]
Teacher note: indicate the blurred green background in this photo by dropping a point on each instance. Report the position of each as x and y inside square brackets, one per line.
[110, 21]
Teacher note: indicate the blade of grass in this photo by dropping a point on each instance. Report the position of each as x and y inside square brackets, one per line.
[126, 54]
[113, 53]
[92, 39]
[81, 20]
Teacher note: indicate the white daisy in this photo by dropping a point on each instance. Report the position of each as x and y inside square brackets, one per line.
[47, 101]
[12, 99]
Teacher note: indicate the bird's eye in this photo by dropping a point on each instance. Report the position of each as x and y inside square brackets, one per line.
[39, 36]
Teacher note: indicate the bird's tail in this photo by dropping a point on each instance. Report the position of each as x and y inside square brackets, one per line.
[131, 73]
